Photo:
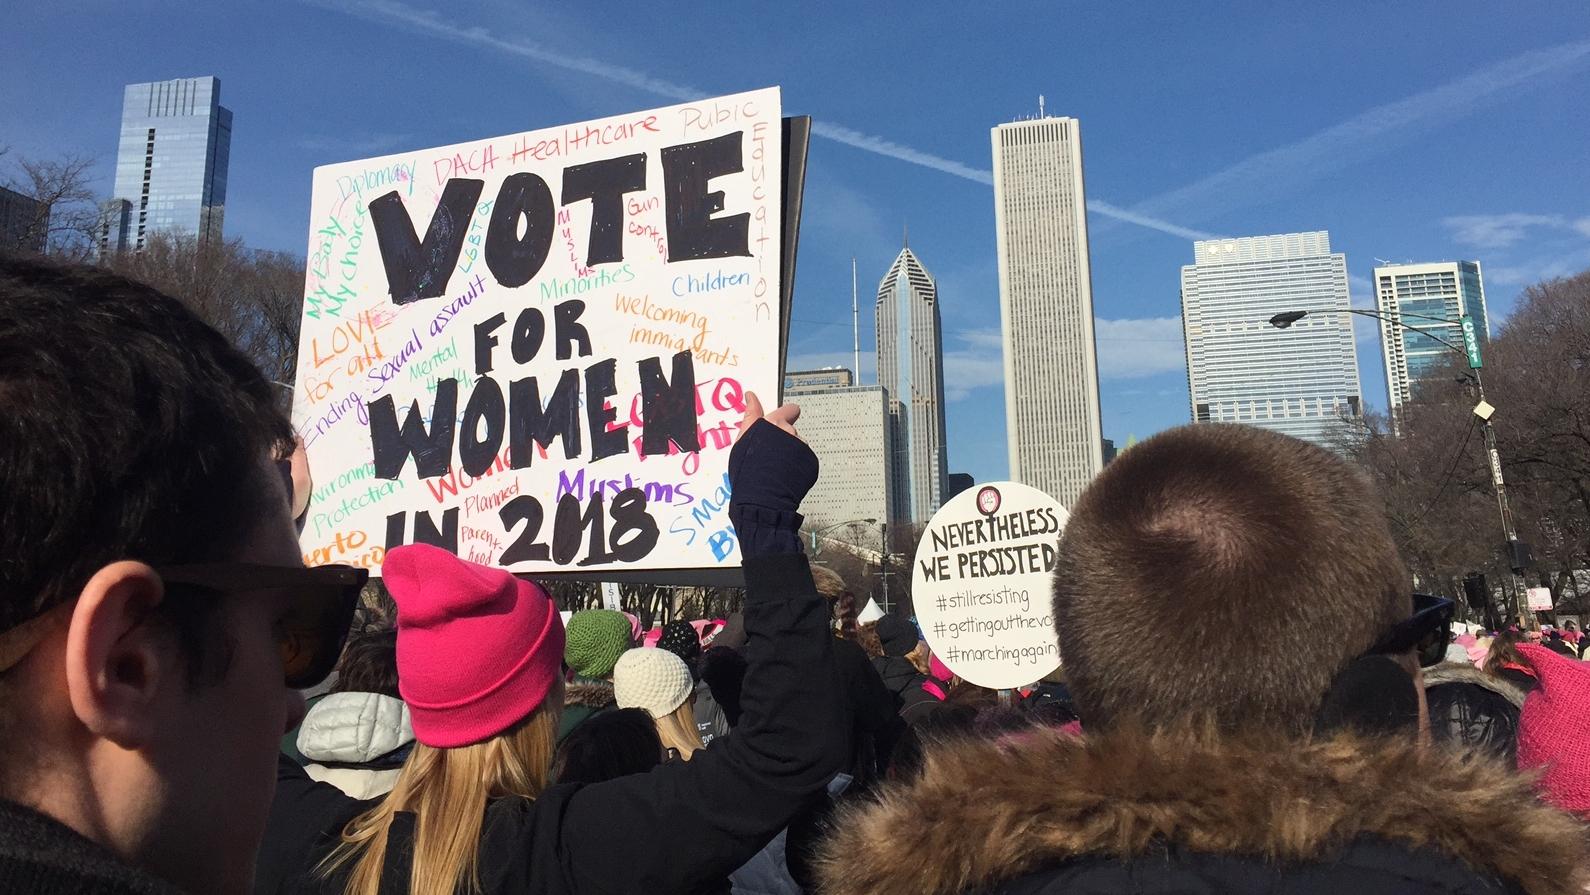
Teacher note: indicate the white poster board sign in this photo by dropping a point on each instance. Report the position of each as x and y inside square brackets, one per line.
[1539, 599]
[981, 584]
[533, 349]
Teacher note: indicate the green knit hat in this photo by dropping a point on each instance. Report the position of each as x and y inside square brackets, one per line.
[594, 640]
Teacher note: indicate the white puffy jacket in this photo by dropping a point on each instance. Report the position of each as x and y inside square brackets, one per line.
[346, 730]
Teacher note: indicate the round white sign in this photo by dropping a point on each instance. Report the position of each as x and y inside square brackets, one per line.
[981, 584]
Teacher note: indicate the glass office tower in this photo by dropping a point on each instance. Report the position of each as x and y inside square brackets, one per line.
[1423, 295]
[171, 163]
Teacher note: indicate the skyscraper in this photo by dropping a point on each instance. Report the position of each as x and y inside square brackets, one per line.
[910, 368]
[1421, 296]
[848, 427]
[1052, 428]
[24, 222]
[1302, 380]
[176, 141]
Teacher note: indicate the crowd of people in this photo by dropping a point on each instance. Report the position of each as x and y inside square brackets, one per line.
[1251, 697]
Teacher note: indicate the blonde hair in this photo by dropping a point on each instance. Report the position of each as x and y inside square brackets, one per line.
[921, 658]
[447, 790]
[677, 730]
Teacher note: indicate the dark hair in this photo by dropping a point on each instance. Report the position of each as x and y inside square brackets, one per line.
[841, 602]
[867, 638]
[723, 670]
[1504, 651]
[369, 665]
[129, 429]
[607, 745]
[1270, 557]
[845, 614]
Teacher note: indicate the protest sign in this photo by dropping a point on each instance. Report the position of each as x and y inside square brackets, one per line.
[981, 584]
[1539, 599]
[533, 349]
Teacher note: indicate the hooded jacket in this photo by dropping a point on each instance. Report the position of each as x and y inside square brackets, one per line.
[1472, 709]
[582, 699]
[1047, 812]
[356, 742]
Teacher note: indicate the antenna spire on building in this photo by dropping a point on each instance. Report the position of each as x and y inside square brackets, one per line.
[1040, 105]
[906, 239]
[855, 320]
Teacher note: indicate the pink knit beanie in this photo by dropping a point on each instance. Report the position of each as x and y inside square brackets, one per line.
[477, 649]
[1554, 729]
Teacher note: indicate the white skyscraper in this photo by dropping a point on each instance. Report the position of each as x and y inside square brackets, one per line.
[1422, 295]
[910, 368]
[1302, 380]
[1046, 307]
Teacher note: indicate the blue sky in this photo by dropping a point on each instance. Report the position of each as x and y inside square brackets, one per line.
[1423, 131]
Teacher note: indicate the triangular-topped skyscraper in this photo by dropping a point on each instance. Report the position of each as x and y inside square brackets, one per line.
[911, 370]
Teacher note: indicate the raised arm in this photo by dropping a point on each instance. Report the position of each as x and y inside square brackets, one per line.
[689, 823]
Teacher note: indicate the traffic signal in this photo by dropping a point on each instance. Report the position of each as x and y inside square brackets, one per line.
[1518, 557]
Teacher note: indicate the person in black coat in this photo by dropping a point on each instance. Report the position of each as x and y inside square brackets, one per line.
[684, 825]
[900, 675]
[1204, 763]
[872, 709]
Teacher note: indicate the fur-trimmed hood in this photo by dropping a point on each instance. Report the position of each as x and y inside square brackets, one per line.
[590, 694]
[985, 813]
[1464, 673]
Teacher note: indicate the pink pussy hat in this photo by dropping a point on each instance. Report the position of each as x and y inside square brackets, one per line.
[1554, 729]
[477, 648]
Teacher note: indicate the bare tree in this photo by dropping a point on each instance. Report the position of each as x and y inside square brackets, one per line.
[65, 213]
[653, 604]
[1434, 473]
[254, 298]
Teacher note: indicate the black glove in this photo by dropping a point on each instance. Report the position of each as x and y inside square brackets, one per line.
[770, 472]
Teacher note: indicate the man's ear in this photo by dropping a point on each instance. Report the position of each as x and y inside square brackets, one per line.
[116, 661]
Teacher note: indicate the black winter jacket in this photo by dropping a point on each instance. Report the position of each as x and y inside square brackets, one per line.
[874, 717]
[902, 680]
[681, 827]
[1052, 813]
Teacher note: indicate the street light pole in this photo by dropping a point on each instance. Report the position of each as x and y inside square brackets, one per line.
[1516, 552]
[820, 532]
[883, 561]
[883, 554]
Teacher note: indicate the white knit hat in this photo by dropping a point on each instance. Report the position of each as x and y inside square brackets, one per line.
[652, 679]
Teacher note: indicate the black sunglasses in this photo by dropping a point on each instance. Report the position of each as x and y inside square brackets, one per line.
[324, 598]
[1428, 631]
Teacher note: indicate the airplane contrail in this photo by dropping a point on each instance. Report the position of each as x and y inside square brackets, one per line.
[390, 11]
[1360, 136]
